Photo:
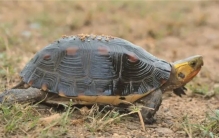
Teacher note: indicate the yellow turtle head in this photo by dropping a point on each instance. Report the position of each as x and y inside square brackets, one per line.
[188, 68]
[183, 71]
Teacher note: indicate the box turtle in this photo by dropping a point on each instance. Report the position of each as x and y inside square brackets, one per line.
[101, 69]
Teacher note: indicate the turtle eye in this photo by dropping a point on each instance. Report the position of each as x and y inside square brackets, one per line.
[181, 75]
[193, 63]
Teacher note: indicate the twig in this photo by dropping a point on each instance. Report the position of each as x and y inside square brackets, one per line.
[141, 120]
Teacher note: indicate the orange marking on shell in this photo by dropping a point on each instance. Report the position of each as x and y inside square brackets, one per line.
[26, 86]
[71, 51]
[47, 56]
[132, 57]
[30, 83]
[103, 50]
[62, 94]
[44, 87]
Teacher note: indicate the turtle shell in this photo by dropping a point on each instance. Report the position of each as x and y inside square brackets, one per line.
[89, 65]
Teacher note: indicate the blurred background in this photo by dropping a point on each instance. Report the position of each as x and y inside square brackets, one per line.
[167, 29]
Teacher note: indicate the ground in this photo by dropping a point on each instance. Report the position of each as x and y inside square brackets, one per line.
[168, 30]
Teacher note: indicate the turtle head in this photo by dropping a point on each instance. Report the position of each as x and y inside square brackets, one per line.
[183, 71]
[187, 69]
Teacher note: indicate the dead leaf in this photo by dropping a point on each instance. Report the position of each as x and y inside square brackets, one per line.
[49, 119]
[77, 121]
[84, 110]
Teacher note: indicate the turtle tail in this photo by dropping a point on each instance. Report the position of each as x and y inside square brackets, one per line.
[20, 85]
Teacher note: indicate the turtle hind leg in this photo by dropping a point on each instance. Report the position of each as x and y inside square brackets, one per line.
[153, 101]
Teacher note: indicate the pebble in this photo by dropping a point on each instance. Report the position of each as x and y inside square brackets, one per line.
[35, 26]
[115, 135]
[26, 34]
[131, 127]
[166, 110]
[140, 136]
[181, 132]
[164, 130]
[216, 85]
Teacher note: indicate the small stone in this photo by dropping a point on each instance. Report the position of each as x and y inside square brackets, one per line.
[35, 26]
[160, 134]
[115, 134]
[169, 122]
[164, 130]
[209, 94]
[26, 34]
[131, 127]
[216, 85]
[166, 110]
[140, 136]
[181, 132]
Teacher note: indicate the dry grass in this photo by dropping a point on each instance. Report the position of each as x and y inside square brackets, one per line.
[27, 120]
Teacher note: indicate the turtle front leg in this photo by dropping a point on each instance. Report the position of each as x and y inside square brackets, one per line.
[153, 101]
[22, 95]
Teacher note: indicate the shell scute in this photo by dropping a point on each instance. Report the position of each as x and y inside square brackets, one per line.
[50, 80]
[66, 87]
[48, 59]
[71, 66]
[36, 78]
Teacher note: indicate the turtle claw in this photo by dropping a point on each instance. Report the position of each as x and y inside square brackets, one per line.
[150, 120]
[180, 91]
[184, 88]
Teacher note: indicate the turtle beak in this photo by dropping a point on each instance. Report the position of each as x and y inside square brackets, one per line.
[196, 63]
[201, 62]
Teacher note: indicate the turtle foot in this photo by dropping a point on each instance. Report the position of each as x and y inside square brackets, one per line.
[152, 103]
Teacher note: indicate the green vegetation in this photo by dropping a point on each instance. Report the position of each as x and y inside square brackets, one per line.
[207, 128]
[22, 119]
[202, 89]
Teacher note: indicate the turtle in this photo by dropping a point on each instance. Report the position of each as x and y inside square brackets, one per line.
[100, 69]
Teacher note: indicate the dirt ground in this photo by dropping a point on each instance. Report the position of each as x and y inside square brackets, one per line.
[168, 30]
